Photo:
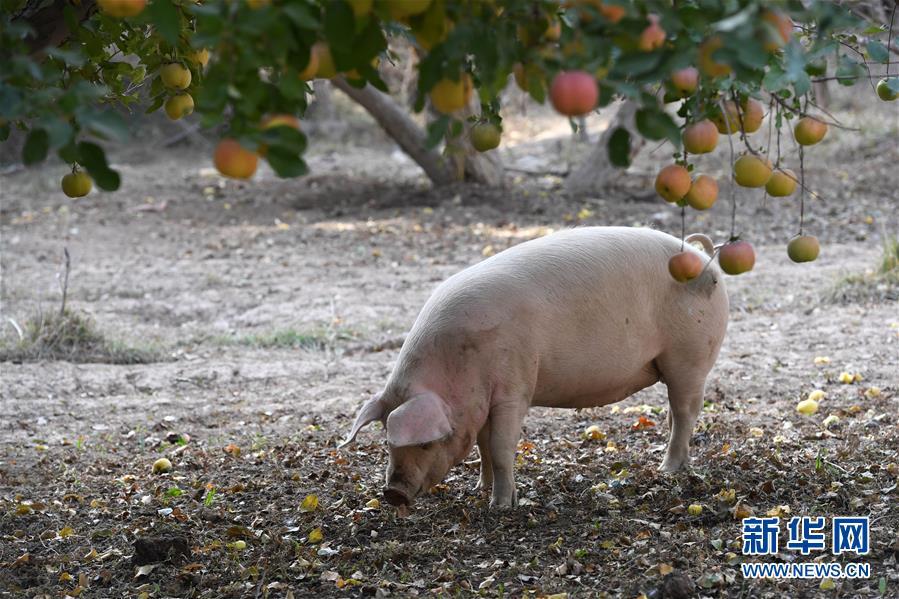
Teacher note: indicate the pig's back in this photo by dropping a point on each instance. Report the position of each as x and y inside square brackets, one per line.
[597, 265]
[595, 304]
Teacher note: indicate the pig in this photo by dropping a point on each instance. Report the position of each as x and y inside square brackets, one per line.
[580, 318]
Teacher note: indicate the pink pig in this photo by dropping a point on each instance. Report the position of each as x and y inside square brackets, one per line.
[580, 318]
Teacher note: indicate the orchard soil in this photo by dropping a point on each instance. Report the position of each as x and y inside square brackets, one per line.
[275, 308]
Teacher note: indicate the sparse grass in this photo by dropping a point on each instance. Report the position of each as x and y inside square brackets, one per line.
[315, 340]
[881, 284]
[72, 337]
[890, 262]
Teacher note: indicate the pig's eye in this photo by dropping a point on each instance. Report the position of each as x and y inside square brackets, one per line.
[426, 445]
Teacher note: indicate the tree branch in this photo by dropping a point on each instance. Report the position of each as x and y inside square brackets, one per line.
[400, 127]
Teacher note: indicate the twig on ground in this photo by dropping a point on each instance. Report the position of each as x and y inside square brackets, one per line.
[65, 280]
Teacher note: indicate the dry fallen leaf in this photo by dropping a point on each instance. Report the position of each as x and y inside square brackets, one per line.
[310, 504]
[642, 423]
[741, 510]
[316, 536]
[593, 433]
[22, 560]
[727, 495]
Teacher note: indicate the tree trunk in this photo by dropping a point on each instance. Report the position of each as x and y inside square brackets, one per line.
[596, 171]
[462, 161]
[821, 93]
[49, 27]
[322, 106]
[399, 126]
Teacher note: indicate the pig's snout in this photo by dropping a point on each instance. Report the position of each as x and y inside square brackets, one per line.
[396, 497]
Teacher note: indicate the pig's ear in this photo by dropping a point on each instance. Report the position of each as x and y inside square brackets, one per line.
[371, 410]
[422, 419]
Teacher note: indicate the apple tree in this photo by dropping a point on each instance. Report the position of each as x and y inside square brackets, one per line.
[71, 71]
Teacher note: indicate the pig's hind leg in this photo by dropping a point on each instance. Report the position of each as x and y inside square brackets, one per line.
[686, 385]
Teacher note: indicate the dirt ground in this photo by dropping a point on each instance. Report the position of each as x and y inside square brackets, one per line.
[275, 307]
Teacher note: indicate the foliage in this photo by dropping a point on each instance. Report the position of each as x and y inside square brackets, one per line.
[71, 98]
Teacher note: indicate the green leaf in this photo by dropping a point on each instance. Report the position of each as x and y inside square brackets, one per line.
[10, 101]
[167, 19]
[59, 131]
[636, 65]
[92, 157]
[369, 43]
[340, 25]
[106, 124]
[437, 131]
[751, 54]
[286, 163]
[72, 57]
[606, 95]
[848, 71]
[536, 87]
[301, 15]
[286, 138]
[775, 79]
[156, 104]
[794, 70]
[877, 51]
[4, 131]
[653, 123]
[620, 147]
[378, 83]
[68, 153]
[735, 21]
[36, 145]
[802, 84]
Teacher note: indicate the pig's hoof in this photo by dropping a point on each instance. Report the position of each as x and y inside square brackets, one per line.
[504, 503]
[483, 486]
[671, 465]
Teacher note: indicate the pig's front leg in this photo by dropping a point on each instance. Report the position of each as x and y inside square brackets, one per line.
[485, 482]
[505, 429]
